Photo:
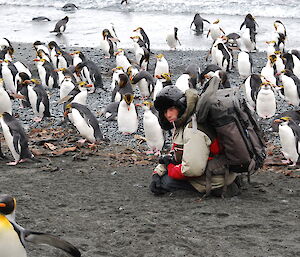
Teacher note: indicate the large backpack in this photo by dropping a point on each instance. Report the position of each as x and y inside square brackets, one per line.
[236, 127]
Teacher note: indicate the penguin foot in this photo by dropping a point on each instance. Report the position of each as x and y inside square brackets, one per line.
[37, 119]
[149, 153]
[286, 161]
[81, 141]
[12, 163]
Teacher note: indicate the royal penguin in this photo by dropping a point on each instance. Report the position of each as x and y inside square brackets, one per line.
[122, 87]
[64, 60]
[89, 72]
[85, 122]
[115, 77]
[280, 35]
[266, 101]
[291, 87]
[145, 82]
[271, 48]
[246, 42]
[172, 38]
[142, 54]
[63, 72]
[121, 59]
[39, 101]
[250, 24]
[268, 72]
[161, 66]
[21, 67]
[47, 74]
[5, 102]
[7, 53]
[41, 54]
[289, 133]
[252, 85]
[78, 57]
[198, 23]
[127, 115]
[66, 86]
[279, 62]
[215, 31]
[152, 129]
[14, 238]
[245, 64]
[142, 34]
[292, 63]
[22, 90]
[106, 44]
[162, 81]
[110, 112]
[60, 26]
[9, 73]
[15, 138]
[4, 42]
[54, 49]
[40, 45]
[224, 57]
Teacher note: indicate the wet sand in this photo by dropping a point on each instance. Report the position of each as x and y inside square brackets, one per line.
[99, 200]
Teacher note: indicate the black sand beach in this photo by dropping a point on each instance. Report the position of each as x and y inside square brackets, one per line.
[98, 199]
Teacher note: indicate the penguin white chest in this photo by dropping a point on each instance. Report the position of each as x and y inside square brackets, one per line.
[85, 129]
[266, 103]
[157, 88]
[5, 103]
[161, 67]
[183, 82]
[288, 142]
[38, 110]
[143, 87]
[171, 41]
[10, 141]
[42, 75]
[248, 91]
[8, 79]
[290, 90]
[10, 244]
[153, 132]
[127, 118]
[244, 65]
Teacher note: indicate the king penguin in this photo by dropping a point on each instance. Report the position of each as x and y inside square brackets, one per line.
[15, 138]
[13, 237]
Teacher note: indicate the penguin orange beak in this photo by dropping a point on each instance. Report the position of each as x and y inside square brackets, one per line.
[89, 85]
[36, 60]
[116, 53]
[66, 113]
[137, 105]
[158, 76]
[278, 121]
[2, 205]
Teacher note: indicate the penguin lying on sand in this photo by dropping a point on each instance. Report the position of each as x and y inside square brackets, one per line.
[15, 138]
[13, 237]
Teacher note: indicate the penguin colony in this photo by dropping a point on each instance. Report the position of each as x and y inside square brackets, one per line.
[74, 77]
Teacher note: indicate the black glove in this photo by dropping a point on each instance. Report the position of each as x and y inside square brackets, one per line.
[155, 185]
[167, 159]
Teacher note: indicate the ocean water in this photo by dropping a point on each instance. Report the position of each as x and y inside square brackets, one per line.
[156, 18]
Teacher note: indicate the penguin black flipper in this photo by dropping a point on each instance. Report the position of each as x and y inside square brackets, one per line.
[255, 82]
[42, 97]
[48, 239]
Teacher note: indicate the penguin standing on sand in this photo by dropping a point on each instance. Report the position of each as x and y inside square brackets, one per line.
[9, 73]
[268, 72]
[15, 139]
[289, 133]
[127, 115]
[39, 101]
[91, 73]
[198, 22]
[172, 39]
[85, 122]
[142, 54]
[122, 60]
[265, 101]
[13, 237]
[60, 26]
[215, 31]
[292, 63]
[145, 82]
[66, 86]
[161, 66]
[106, 44]
[47, 74]
[142, 34]
[223, 57]
[41, 54]
[252, 86]
[5, 102]
[245, 64]
[153, 132]
[123, 87]
[64, 60]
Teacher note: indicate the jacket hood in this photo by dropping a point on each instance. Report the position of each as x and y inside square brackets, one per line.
[171, 96]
